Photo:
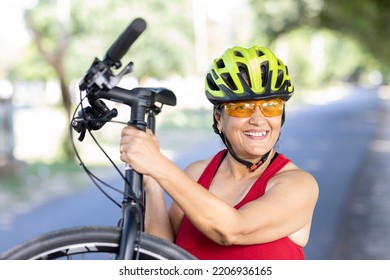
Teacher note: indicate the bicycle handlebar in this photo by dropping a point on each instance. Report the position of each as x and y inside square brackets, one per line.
[119, 48]
[140, 99]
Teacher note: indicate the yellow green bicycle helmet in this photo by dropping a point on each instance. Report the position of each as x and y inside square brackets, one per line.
[247, 73]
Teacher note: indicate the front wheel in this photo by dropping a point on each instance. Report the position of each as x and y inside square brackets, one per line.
[92, 243]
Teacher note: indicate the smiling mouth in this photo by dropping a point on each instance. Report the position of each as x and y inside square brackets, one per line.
[255, 134]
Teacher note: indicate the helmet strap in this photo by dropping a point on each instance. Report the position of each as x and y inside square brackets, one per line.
[251, 166]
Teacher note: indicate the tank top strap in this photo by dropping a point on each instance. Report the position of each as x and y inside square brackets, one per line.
[209, 172]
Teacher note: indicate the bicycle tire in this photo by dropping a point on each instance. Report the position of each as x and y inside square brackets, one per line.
[91, 242]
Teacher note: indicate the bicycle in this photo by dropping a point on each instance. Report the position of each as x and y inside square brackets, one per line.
[128, 240]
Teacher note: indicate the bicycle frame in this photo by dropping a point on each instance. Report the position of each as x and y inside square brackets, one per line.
[142, 102]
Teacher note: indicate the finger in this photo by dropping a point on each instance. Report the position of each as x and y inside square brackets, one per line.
[123, 157]
[124, 140]
[149, 132]
[127, 130]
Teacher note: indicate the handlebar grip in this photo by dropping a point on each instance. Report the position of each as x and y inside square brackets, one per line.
[119, 48]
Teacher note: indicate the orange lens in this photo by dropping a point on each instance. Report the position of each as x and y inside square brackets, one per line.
[244, 109]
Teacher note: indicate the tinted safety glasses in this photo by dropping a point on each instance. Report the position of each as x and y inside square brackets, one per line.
[243, 109]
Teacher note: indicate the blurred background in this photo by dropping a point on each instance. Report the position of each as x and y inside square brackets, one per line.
[337, 122]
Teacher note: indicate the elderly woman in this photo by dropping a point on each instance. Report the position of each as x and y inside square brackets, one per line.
[247, 201]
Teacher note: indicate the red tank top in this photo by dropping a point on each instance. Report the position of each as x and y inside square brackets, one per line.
[193, 241]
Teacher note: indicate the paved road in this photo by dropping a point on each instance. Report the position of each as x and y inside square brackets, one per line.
[365, 226]
[330, 141]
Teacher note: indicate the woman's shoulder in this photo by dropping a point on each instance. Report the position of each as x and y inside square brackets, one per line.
[196, 168]
[294, 175]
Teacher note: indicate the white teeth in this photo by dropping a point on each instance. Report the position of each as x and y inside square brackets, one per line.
[256, 134]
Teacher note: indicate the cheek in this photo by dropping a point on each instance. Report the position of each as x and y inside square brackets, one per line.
[276, 125]
[232, 128]
[230, 124]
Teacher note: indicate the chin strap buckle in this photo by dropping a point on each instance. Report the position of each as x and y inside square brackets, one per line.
[254, 166]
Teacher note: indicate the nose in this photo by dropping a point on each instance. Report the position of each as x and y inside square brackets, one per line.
[257, 115]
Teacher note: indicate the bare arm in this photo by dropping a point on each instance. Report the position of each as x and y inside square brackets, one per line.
[157, 220]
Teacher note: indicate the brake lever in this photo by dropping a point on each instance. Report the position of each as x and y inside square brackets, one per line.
[90, 119]
[82, 135]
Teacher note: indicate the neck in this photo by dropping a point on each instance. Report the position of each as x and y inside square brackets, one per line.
[238, 170]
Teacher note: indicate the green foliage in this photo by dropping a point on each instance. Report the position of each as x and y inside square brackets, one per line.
[273, 18]
[31, 67]
[357, 39]
[92, 26]
[330, 59]
[367, 23]
[167, 45]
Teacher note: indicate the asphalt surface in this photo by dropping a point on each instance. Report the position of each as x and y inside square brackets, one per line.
[365, 230]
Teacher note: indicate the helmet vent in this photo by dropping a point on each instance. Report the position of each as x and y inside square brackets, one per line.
[264, 73]
[259, 53]
[279, 79]
[220, 64]
[244, 73]
[237, 53]
[229, 81]
[210, 82]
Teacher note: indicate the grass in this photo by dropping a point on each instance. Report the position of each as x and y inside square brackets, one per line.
[33, 183]
[25, 175]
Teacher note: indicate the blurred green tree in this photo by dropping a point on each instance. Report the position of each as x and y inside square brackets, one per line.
[68, 34]
[366, 24]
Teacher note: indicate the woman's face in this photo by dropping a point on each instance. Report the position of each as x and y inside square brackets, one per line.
[250, 137]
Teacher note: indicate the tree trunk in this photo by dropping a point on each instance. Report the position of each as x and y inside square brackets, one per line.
[56, 59]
